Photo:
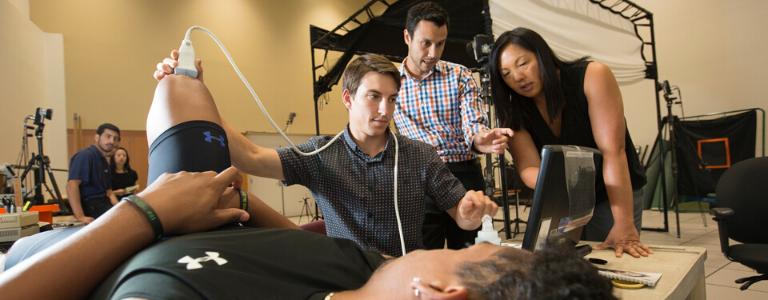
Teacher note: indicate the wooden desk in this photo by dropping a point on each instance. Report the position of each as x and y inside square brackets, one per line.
[682, 270]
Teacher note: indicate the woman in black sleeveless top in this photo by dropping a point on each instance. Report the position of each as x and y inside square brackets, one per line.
[122, 174]
[547, 101]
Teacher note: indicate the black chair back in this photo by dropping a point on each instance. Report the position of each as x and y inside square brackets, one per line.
[744, 188]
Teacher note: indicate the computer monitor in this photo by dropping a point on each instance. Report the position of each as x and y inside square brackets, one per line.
[564, 197]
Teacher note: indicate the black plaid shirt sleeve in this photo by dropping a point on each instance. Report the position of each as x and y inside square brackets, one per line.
[442, 186]
[298, 169]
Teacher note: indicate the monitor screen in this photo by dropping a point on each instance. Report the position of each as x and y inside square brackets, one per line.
[564, 197]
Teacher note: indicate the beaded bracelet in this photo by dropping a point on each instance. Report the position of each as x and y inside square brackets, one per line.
[243, 199]
[154, 221]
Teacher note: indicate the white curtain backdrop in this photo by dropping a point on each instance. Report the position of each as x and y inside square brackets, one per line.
[576, 28]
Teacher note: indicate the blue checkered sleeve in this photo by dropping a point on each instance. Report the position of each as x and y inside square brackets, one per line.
[473, 115]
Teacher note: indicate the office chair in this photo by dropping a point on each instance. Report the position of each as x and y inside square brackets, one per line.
[742, 208]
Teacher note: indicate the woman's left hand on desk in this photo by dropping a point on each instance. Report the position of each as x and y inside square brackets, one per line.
[625, 241]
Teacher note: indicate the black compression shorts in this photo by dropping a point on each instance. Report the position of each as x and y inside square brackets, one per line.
[194, 146]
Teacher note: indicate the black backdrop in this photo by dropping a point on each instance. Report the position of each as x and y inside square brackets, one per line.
[709, 138]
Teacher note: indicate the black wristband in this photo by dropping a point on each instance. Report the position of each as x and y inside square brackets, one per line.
[243, 199]
[154, 221]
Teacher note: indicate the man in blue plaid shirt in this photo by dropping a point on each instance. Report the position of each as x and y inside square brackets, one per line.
[439, 104]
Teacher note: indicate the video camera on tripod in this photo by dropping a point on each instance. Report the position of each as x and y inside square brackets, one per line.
[42, 114]
[667, 88]
[40, 162]
[480, 49]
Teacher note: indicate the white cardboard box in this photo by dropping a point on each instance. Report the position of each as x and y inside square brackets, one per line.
[16, 220]
[12, 234]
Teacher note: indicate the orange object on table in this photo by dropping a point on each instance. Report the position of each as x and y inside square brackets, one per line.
[44, 212]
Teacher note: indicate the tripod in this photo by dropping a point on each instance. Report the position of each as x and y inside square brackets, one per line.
[485, 83]
[669, 122]
[305, 209]
[517, 219]
[505, 192]
[42, 165]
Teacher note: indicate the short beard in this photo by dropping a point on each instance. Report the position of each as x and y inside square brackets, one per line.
[104, 150]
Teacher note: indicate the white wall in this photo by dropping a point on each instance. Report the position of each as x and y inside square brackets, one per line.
[112, 48]
[22, 6]
[55, 135]
[31, 76]
[713, 50]
[287, 200]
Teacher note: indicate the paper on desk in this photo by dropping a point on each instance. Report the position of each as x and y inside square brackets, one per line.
[646, 278]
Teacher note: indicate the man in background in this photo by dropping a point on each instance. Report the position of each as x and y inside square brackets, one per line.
[89, 187]
[438, 104]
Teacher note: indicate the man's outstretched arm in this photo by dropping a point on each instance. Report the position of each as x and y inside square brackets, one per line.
[470, 211]
[121, 232]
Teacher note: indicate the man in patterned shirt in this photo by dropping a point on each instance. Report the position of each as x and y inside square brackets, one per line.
[438, 104]
[353, 179]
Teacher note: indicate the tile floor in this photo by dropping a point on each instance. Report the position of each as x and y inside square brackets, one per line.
[720, 272]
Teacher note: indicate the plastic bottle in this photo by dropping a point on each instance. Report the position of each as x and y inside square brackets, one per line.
[488, 234]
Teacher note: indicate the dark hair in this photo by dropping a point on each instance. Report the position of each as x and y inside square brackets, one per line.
[113, 165]
[357, 69]
[109, 126]
[509, 104]
[555, 271]
[428, 11]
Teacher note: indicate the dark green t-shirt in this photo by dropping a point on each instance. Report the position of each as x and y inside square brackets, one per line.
[242, 263]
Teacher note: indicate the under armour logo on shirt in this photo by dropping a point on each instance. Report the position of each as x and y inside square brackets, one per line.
[194, 263]
[209, 137]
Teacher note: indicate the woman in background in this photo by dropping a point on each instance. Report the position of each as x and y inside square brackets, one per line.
[548, 101]
[122, 174]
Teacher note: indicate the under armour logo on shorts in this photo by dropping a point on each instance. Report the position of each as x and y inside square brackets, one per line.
[209, 137]
[195, 263]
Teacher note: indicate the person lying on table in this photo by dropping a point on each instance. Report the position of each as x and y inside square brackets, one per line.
[126, 257]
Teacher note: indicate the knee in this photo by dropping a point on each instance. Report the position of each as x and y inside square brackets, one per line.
[180, 80]
[179, 99]
[180, 87]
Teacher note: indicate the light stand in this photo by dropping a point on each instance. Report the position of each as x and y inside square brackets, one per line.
[289, 122]
[316, 216]
[674, 143]
[669, 122]
[42, 163]
[480, 48]
[660, 142]
[517, 219]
